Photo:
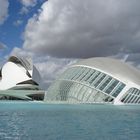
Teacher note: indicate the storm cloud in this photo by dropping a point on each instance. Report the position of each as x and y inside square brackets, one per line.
[84, 28]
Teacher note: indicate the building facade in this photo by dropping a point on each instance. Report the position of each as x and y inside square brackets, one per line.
[19, 80]
[97, 80]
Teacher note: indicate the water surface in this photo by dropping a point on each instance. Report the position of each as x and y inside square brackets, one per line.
[38, 121]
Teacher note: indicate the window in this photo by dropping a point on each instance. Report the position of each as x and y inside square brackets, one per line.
[119, 89]
[132, 96]
[99, 80]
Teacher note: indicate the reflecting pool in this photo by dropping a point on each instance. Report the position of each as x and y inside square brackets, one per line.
[39, 121]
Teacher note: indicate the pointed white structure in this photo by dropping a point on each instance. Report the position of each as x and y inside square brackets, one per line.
[97, 80]
[19, 80]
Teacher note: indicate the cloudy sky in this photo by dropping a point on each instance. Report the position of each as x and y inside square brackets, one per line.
[57, 33]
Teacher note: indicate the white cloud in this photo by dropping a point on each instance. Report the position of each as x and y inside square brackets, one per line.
[18, 22]
[19, 51]
[84, 28]
[28, 3]
[24, 10]
[81, 28]
[3, 10]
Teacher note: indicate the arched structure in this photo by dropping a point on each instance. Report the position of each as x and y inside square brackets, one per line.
[18, 80]
[97, 80]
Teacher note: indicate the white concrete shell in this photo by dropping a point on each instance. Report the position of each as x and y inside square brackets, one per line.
[18, 79]
[114, 67]
[97, 80]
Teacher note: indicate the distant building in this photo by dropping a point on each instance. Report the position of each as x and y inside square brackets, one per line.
[19, 80]
[97, 80]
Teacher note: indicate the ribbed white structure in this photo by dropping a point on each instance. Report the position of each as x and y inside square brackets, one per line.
[97, 80]
[18, 79]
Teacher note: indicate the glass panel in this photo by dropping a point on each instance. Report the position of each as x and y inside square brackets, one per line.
[138, 93]
[105, 83]
[119, 89]
[68, 73]
[133, 99]
[84, 74]
[91, 76]
[91, 71]
[129, 96]
[79, 72]
[124, 98]
[138, 99]
[99, 80]
[102, 81]
[72, 74]
[135, 92]
[94, 77]
[109, 86]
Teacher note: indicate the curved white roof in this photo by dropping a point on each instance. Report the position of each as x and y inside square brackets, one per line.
[17, 70]
[113, 67]
[24, 62]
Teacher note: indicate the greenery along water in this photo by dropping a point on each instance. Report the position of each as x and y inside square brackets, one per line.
[38, 121]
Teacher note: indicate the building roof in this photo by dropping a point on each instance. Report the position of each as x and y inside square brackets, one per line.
[22, 61]
[113, 67]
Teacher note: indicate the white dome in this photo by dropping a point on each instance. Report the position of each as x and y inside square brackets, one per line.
[113, 67]
[97, 80]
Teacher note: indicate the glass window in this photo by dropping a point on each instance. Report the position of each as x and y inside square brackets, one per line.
[72, 73]
[106, 82]
[96, 74]
[109, 86]
[80, 71]
[68, 73]
[137, 100]
[118, 90]
[81, 74]
[84, 74]
[99, 80]
[126, 98]
[132, 96]
[89, 74]
[130, 99]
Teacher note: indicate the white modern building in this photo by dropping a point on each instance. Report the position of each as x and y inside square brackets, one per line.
[97, 80]
[19, 80]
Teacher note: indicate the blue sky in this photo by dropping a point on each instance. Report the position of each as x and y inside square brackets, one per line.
[11, 34]
[57, 33]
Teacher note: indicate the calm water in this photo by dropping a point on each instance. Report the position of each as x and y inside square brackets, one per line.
[37, 121]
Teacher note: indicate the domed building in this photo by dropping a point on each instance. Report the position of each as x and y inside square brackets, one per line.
[19, 80]
[97, 80]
